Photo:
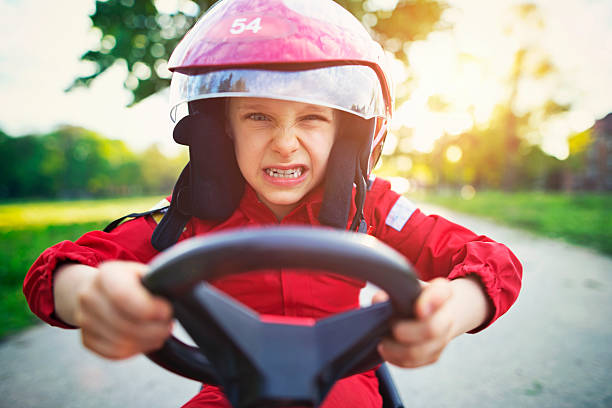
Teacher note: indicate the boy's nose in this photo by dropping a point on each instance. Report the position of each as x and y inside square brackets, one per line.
[286, 142]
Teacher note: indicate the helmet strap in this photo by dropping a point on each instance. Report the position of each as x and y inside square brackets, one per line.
[211, 185]
[358, 222]
[338, 185]
[171, 226]
[347, 164]
[215, 183]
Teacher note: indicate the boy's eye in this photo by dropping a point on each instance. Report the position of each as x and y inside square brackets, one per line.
[257, 116]
[316, 118]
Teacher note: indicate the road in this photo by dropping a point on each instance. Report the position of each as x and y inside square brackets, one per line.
[552, 349]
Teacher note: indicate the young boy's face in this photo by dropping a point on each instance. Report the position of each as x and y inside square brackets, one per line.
[281, 147]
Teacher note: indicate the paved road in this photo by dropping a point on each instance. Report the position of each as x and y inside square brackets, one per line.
[553, 349]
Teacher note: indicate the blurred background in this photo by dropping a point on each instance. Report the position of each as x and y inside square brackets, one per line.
[502, 111]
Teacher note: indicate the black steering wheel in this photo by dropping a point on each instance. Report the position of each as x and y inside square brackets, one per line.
[259, 362]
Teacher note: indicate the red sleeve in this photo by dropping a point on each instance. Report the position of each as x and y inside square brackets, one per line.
[130, 241]
[439, 248]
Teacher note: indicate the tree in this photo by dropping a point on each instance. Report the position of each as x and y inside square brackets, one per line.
[80, 162]
[530, 63]
[21, 167]
[72, 162]
[504, 153]
[159, 173]
[142, 34]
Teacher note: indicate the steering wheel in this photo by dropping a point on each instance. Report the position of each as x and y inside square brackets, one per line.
[260, 361]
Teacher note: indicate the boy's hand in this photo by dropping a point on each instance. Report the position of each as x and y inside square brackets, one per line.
[443, 310]
[419, 342]
[118, 317]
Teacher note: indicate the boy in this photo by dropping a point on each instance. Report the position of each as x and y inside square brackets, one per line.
[287, 108]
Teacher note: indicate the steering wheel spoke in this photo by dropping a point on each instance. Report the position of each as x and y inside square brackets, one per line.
[346, 339]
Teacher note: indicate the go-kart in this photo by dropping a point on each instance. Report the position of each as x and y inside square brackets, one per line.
[253, 357]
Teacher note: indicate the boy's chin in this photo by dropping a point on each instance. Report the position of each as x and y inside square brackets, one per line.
[287, 199]
[282, 203]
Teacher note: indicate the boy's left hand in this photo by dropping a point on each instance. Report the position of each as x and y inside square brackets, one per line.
[420, 341]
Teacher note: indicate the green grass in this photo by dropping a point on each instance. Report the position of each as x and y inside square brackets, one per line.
[582, 218]
[23, 215]
[28, 228]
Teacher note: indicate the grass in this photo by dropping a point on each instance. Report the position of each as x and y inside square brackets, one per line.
[582, 218]
[28, 228]
[24, 215]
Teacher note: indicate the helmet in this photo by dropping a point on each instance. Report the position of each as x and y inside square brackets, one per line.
[278, 35]
[314, 52]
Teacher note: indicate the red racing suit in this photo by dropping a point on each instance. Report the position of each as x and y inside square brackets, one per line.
[435, 246]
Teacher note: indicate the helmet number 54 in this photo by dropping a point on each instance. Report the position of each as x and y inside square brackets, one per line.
[240, 25]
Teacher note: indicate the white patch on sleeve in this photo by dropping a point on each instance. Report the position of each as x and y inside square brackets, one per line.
[163, 203]
[400, 213]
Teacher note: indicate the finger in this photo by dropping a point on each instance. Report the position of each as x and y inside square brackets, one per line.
[380, 296]
[146, 333]
[410, 356]
[106, 347]
[408, 331]
[432, 298]
[98, 315]
[144, 336]
[124, 339]
[121, 282]
[97, 337]
[95, 312]
[151, 336]
[437, 325]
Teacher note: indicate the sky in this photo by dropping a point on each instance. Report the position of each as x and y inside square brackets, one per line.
[39, 59]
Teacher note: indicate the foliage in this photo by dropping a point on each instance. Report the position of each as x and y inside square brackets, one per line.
[505, 152]
[578, 147]
[75, 162]
[158, 172]
[481, 160]
[408, 21]
[143, 33]
[582, 219]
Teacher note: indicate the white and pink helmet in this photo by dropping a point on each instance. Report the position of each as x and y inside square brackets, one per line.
[307, 51]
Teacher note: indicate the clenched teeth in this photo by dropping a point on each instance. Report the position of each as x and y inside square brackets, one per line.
[291, 173]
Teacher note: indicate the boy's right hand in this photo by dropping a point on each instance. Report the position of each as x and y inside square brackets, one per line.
[118, 317]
